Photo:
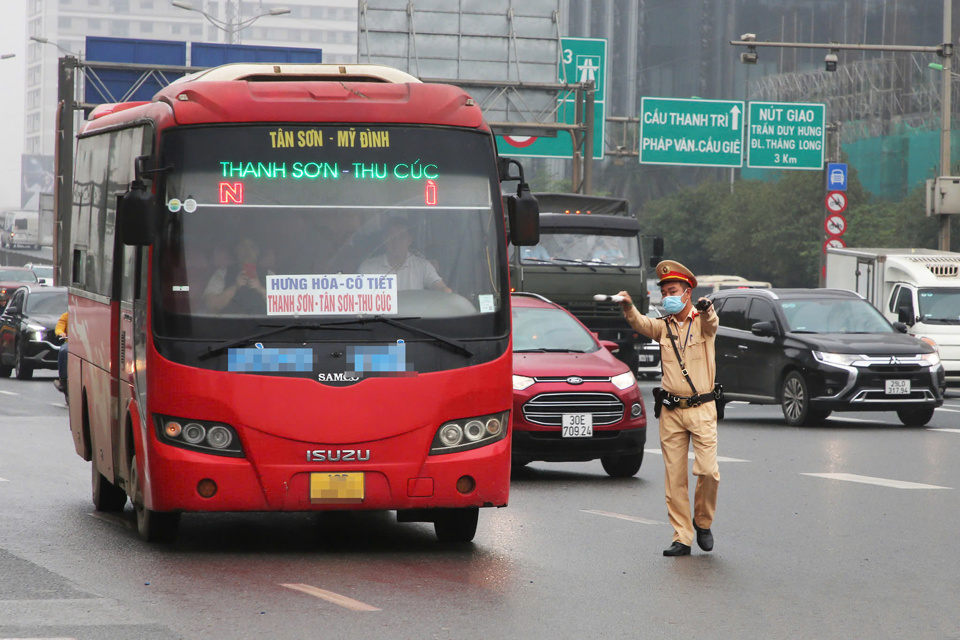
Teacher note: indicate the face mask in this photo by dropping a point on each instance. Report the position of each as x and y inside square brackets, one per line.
[673, 304]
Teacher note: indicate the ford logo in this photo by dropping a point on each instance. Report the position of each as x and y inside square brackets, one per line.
[574, 380]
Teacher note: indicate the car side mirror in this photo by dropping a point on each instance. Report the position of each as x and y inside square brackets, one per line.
[900, 327]
[610, 346]
[905, 315]
[763, 329]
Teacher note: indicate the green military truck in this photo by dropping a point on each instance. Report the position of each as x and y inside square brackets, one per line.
[588, 245]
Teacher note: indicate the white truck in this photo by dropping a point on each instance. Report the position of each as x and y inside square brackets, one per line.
[918, 287]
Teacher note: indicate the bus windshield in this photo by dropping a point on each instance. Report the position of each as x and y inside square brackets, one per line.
[286, 224]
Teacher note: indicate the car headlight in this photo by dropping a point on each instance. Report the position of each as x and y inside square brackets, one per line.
[469, 433]
[522, 382]
[932, 359]
[842, 359]
[624, 380]
[199, 435]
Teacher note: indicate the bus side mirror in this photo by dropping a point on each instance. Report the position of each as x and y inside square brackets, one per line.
[657, 251]
[137, 210]
[523, 213]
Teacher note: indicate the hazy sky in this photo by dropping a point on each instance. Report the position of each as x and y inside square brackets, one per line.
[13, 34]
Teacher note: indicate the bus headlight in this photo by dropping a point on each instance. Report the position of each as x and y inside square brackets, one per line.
[199, 435]
[469, 433]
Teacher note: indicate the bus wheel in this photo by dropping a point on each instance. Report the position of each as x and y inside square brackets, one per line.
[106, 495]
[625, 466]
[456, 525]
[5, 370]
[153, 526]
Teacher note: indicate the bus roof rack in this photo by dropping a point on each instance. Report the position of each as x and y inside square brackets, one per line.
[270, 72]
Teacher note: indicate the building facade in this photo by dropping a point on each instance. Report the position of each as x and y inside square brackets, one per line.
[330, 25]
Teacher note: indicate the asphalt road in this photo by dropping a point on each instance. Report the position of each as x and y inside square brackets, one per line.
[870, 554]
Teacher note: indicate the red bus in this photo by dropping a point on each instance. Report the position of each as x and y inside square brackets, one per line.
[289, 292]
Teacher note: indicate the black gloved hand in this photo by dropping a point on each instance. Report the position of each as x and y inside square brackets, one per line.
[703, 305]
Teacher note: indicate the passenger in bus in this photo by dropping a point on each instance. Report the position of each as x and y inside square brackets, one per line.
[413, 271]
[241, 286]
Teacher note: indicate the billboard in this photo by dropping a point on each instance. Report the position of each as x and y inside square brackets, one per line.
[120, 85]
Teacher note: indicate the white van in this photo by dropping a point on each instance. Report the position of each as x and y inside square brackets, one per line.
[25, 231]
[711, 284]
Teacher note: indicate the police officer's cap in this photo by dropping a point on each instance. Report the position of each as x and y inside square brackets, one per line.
[669, 270]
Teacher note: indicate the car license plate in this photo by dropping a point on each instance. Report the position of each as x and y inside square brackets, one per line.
[647, 357]
[577, 425]
[898, 387]
[336, 488]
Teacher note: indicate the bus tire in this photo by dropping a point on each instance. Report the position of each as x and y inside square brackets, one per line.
[107, 496]
[456, 525]
[153, 526]
[5, 370]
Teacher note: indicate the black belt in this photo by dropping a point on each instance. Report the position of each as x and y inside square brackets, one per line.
[685, 402]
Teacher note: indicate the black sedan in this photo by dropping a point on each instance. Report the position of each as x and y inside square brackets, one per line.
[815, 351]
[27, 338]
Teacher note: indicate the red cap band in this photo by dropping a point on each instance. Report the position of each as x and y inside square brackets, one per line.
[676, 275]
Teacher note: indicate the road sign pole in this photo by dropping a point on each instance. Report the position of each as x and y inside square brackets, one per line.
[577, 137]
[589, 112]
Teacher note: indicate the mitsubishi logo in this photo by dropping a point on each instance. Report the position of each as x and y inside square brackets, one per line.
[895, 360]
[574, 380]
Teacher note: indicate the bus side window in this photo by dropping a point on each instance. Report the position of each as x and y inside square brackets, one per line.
[77, 268]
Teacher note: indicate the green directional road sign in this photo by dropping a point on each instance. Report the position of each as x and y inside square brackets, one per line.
[786, 135]
[583, 59]
[706, 133]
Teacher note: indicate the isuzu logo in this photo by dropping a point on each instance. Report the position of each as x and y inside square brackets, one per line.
[574, 380]
[338, 455]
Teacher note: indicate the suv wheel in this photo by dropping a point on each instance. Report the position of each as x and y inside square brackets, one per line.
[795, 402]
[915, 416]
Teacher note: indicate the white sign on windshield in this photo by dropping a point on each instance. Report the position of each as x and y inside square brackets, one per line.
[336, 294]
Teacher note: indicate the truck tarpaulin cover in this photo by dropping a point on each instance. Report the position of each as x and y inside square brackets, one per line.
[562, 202]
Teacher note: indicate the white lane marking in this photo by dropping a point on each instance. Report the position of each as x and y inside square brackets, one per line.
[4, 480]
[846, 419]
[330, 596]
[690, 456]
[113, 519]
[610, 514]
[9, 393]
[883, 482]
[944, 430]
[947, 410]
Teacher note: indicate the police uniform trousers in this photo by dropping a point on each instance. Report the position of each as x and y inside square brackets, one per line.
[678, 428]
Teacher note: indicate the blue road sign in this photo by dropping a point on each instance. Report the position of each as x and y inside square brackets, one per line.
[836, 176]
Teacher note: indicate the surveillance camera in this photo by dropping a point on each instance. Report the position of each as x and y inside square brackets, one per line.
[749, 57]
[748, 37]
[830, 61]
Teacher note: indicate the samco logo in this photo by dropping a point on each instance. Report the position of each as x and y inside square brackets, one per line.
[351, 376]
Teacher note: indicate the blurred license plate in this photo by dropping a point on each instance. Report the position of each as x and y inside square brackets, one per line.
[898, 387]
[577, 425]
[328, 488]
[647, 357]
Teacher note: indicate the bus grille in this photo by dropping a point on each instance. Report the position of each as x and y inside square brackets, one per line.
[548, 408]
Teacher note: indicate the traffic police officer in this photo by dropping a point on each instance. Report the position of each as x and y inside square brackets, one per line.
[689, 412]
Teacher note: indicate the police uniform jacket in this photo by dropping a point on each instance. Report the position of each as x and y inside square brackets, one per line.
[695, 336]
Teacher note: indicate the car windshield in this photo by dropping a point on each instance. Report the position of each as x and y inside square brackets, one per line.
[327, 220]
[47, 303]
[827, 315]
[939, 306]
[540, 329]
[43, 271]
[17, 275]
[587, 248]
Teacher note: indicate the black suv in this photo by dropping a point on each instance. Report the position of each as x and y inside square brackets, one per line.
[815, 351]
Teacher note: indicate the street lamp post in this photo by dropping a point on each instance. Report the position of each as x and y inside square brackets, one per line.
[233, 25]
[944, 50]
